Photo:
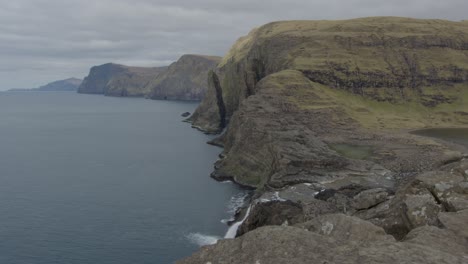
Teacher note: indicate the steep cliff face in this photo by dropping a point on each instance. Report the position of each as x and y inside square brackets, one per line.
[185, 79]
[118, 80]
[386, 59]
[317, 114]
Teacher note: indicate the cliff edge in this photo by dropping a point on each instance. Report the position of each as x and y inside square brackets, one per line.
[316, 117]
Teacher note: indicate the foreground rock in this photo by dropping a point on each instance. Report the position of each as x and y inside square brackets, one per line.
[316, 116]
[336, 238]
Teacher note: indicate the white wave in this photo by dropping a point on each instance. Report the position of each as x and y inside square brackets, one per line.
[236, 202]
[227, 221]
[232, 231]
[202, 240]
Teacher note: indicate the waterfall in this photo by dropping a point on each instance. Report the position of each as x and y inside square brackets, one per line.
[232, 231]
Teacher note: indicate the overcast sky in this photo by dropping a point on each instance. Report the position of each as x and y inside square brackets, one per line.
[47, 40]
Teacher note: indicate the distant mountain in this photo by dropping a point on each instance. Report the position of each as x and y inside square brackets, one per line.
[118, 80]
[185, 79]
[70, 84]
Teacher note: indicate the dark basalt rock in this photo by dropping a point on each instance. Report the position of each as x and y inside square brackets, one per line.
[186, 114]
[272, 213]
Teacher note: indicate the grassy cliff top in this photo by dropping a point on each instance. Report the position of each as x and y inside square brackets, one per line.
[328, 37]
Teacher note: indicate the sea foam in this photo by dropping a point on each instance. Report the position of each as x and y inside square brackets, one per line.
[202, 240]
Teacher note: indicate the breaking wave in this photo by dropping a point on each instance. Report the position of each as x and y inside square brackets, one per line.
[202, 240]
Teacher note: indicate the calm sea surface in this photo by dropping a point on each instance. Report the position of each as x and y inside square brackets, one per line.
[455, 135]
[94, 179]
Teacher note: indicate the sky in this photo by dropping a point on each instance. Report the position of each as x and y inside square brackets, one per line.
[47, 40]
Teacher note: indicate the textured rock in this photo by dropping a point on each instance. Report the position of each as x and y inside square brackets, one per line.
[272, 213]
[331, 239]
[421, 209]
[456, 222]
[369, 198]
[346, 228]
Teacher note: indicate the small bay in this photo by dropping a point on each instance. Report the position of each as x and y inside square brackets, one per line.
[454, 135]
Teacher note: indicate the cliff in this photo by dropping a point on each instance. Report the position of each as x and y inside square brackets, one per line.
[185, 79]
[118, 80]
[383, 59]
[317, 115]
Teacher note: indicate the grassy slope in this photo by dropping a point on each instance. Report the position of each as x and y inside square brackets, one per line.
[374, 114]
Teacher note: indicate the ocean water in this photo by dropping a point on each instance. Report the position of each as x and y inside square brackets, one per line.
[94, 179]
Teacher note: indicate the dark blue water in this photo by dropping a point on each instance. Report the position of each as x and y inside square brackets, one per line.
[94, 179]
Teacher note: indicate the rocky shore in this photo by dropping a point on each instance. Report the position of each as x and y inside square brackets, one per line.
[317, 117]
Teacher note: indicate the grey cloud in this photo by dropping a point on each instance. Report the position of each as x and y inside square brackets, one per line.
[44, 40]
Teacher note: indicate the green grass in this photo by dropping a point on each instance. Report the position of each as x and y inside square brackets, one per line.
[369, 113]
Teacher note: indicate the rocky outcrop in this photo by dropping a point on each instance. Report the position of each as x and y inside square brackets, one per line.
[432, 232]
[185, 79]
[336, 238]
[118, 80]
